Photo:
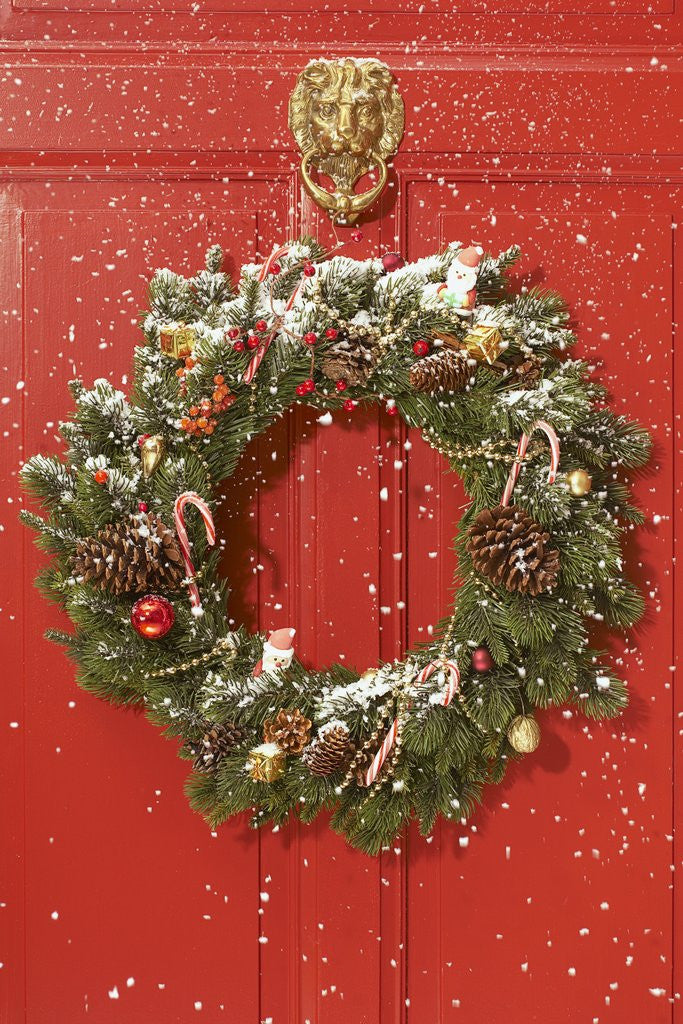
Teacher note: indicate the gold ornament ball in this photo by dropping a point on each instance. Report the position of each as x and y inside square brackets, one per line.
[266, 762]
[524, 734]
[579, 482]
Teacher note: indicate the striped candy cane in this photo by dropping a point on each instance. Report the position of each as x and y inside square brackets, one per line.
[452, 687]
[260, 352]
[192, 498]
[521, 452]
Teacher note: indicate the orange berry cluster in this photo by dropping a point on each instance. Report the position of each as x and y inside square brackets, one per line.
[201, 418]
[182, 370]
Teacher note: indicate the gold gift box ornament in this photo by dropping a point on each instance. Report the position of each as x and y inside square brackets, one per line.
[484, 342]
[266, 762]
[177, 340]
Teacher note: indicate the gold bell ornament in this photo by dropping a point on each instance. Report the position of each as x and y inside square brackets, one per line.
[484, 342]
[266, 762]
[579, 482]
[176, 340]
[152, 450]
[524, 734]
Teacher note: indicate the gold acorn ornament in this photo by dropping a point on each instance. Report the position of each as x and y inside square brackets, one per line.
[579, 482]
[266, 762]
[152, 451]
[524, 734]
[177, 340]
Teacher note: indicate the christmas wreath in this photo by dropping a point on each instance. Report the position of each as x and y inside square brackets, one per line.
[484, 374]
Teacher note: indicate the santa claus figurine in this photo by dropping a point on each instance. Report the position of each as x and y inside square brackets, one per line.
[278, 652]
[460, 289]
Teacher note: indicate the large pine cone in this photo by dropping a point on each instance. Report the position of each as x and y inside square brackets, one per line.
[331, 750]
[218, 739]
[349, 359]
[445, 370]
[289, 729]
[508, 547]
[135, 556]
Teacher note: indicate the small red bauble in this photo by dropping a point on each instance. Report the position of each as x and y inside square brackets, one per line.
[252, 341]
[392, 261]
[310, 337]
[152, 616]
[482, 660]
[238, 346]
[233, 333]
[349, 405]
[309, 385]
[331, 333]
[309, 270]
[340, 385]
[300, 390]
[101, 476]
[260, 325]
[357, 236]
[275, 268]
[142, 506]
[392, 410]
[421, 348]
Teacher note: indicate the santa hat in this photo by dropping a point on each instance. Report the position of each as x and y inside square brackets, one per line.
[280, 641]
[470, 257]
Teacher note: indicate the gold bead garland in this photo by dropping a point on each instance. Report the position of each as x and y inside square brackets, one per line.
[223, 645]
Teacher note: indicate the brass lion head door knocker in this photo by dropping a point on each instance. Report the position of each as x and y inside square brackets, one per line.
[347, 117]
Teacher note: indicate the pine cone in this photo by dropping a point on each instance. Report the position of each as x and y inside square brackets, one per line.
[349, 359]
[508, 547]
[289, 729]
[331, 750]
[218, 739]
[445, 370]
[134, 557]
[365, 758]
[528, 373]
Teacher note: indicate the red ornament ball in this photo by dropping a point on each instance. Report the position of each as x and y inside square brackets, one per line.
[260, 325]
[233, 333]
[142, 506]
[101, 476]
[238, 346]
[253, 341]
[392, 261]
[421, 348]
[357, 236]
[275, 268]
[340, 385]
[349, 405]
[152, 616]
[309, 270]
[310, 337]
[482, 660]
[331, 333]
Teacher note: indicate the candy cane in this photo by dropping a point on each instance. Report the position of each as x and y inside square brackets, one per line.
[192, 498]
[521, 452]
[452, 687]
[259, 354]
[275, 255]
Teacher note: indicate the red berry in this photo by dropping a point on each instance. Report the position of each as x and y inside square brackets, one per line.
[331, 333]
[349, 405]
[391, 409]
[190, 363]
[275, 268]
[253, 341]
[194, 410]
[357, 236]
[142, 438]
[482, 660]
[233, 333]
[300, 389]
[260, 325]
[340, 385]
[421, 348]
[310, 337]
[309, 385]
[101, 476]
[309, 270]
[219, 378]
[238, 346]
[142, 506]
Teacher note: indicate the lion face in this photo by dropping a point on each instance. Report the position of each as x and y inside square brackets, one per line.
[346, 107]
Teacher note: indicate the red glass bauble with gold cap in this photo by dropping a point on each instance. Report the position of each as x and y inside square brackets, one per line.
[152, 616]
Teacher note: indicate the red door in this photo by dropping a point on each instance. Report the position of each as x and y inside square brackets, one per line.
[133, 135]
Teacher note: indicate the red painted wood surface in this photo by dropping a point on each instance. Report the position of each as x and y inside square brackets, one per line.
[134, 135]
